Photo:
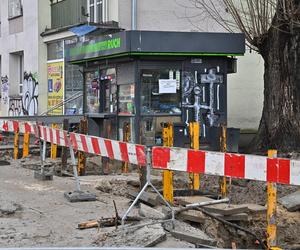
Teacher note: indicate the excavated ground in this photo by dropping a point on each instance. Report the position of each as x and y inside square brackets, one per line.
[36, 214]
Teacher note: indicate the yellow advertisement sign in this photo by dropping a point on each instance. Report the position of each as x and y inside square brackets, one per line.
[55, 86]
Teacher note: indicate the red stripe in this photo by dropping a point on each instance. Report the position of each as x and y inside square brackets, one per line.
[45, 134]
[141, 155]
[83, 142]
[51, 135]
[73, 141]
[124, 151]
[5, 126]
[160, 157]
[96, 147]
[16, 126]
[109, 149]
[57, 136]
[278, 170]
[196, 161]
[235, 165]
[27, 127]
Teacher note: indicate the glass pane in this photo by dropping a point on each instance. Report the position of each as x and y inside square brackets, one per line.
[126, 99]
[55, 50]
[99, 12]
[92, 92]
[92, 16]
[109, 87]
[158, 98]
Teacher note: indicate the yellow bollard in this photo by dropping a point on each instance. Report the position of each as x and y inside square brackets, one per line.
[126, 138]
[81, 166]
[194, 129]
[271, 209]
[26, 141]
[16, 145]
[167, 174]
[223, 146]
[53, 153]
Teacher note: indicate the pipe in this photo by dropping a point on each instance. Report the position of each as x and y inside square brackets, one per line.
[133, 14]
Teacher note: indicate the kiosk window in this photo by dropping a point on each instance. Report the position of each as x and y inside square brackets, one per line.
[92, 92]
[160, 91]
[126, 99]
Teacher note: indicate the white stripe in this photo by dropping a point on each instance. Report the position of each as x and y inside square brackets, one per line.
[102, 147]
[54, 136]
[255, 167]
[22, 127]
[79, 142]
[214, 163]
[42, 136]
[62, 138]
[178, 159]
[295, 172]
[10, 126]
[132, 157]
[116, 150]
[48, 134]
[89, 145]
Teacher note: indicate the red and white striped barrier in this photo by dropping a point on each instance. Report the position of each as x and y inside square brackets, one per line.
[250, 167]
[55, 136]
[115, 150]
[14, 126]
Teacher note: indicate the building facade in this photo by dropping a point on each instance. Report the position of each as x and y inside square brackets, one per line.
[34, 32]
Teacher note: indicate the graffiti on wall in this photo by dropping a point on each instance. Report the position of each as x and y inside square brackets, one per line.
[15, 106]
[201, 97]
[30, 94]
[4, 90]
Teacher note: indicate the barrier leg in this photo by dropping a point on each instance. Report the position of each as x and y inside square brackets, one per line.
[271, 209]
[53, 153]
[148, 183]
[43, 174]
[126, 138]
[26, 145]
[194, 129]
[78, 195]
[16, 145]
[223, 146]
[168, 175]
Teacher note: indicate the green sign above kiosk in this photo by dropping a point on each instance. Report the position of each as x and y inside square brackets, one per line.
[158, 43]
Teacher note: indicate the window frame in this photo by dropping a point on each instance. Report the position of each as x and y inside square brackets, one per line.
[97, 18]
[10, 4]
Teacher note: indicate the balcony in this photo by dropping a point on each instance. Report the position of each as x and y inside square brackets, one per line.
[67, 12]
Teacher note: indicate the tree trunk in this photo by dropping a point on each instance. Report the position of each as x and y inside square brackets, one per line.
[280, 123]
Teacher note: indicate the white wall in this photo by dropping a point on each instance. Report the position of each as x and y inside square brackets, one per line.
[28, 41]
[245, 88]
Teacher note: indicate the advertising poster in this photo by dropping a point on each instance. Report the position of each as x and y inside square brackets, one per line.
[55, 86]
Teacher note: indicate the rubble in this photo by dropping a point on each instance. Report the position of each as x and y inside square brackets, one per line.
[291, 202]
[8, 208]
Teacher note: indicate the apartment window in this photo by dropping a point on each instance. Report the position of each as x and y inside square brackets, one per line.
[97, 11]
[14, 8]
[21, 73]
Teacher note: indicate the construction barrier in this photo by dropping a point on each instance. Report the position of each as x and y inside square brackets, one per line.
[240, 166]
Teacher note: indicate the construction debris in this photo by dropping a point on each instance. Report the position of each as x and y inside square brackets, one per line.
[146, 236]
[150, 213]
[80, 196]
[226, 209]
[186, 232]
[148, 198]
[291, 202]
[8, 208]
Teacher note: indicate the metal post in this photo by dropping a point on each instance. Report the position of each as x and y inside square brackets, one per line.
[148, 183]
[64, 150]
[53, 153]
[167, 174]
[271, 209]
[223, 146]
[133, 14]
[81, 155]
[16, 145]
[194, 128]
[43, 157]
[26, 140]
[74, 165]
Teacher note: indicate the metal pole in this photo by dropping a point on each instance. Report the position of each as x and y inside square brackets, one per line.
[53, 146]
[194, 178]
[43, 157]
[223, 145]
[74, 165]
[271, 209]
[133, 14]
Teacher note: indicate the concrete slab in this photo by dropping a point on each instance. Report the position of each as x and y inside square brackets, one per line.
[184, 200]
[256, 209]
[291, 202]
[192, 216]
[46, 176]
[147, 236]
[186, 232]
[80, 196]
[234, 217]
[150, 212]
[148, 198]
[226, 209]
[4, 163]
